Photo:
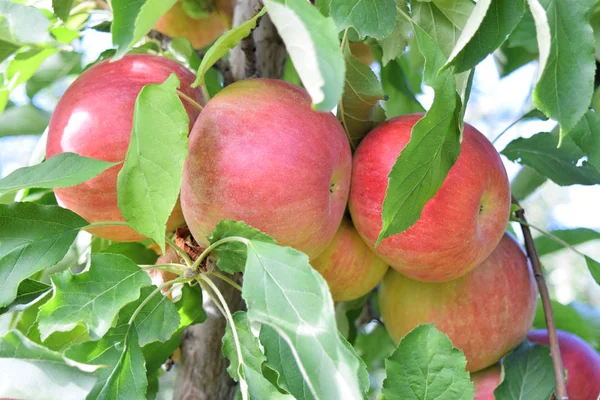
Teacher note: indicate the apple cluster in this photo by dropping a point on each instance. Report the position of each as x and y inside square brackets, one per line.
[259, 153]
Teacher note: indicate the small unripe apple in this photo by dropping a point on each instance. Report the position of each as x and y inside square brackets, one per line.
[580, 360]
[94, 117]
[200, 28]
[350, 268]
[258, 153]
[484, 313]
[458, 228]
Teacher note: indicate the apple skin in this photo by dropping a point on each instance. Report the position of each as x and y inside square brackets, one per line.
[580, 360]
[486, 382]
[94, 117]
[199, 31]
[458, 228]
[350, 268]
[258, 153]
[485, 313]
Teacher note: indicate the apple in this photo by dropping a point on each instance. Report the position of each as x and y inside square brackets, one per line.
[94, 117]
[580, 360]
[350, 268]
[486, 381]
[200, 28]
[458, 228]
[259, 154]
[484, 313]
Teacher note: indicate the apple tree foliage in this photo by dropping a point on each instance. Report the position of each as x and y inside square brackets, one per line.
[85, 321]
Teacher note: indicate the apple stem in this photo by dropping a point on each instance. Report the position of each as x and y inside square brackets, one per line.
[561, 388]
[190, 100]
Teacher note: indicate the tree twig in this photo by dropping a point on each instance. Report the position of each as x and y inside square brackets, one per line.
[561, 388]
[248, 46]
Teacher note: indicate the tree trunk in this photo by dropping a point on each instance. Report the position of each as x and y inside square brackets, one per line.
[202, 371]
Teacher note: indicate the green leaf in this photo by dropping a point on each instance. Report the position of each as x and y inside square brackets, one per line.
[546, 245]
[433, 149]
[523, 36]
[23, 120]
[133, 20]
[284, 292]
[62, 8]
[137, 252]
[190, 307]
[443, 20]
[393, 46]
[62, 170]
[149, 182]
[527, 181]
[157, 320]
[224, 43]
[312, 43]
[32, 371]
[528, 374]
[401, 98]
[125, 377]
[564, 165]
[374, 18]
[21, 25]
[425, 365]
[594, 267]
[362, 92]
[183, 48]
[248, 369]
[32, 237]
[586, 134]
[92, 298]
[29, 292]
[566, 319]
[487, 27]
[232, 255]
[374, 347]
[566, 42]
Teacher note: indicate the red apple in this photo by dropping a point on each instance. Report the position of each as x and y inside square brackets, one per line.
[201, 30]
[350, 268]
[258, 153]
[486, 382]
[580, 360]
[93, 119]
[458, 228]
[485, 313]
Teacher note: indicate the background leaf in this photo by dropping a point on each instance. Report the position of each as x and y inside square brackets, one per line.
[545, 245]
[149, 182]
[23, 120]
[92, 298]
[312, 43]
[586, 134]
[393, 45]
[374, 18]
[528, 374]
[32, 237]
[62, 8]
[564, 165]
[34, 372]
[425, 365]
[137, 252]
[133, 20]
[29, 292]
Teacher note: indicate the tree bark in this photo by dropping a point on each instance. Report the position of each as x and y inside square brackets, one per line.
[202, 371]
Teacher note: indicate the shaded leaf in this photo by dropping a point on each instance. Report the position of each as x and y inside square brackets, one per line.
[29, 292]
[137, 252]
[401, 98]
[426, 366]
[132, 20]
[92, 298]
[62, 8]
[32, 237]
[393, 46]
[586, 134]
[528, 374]
[594, 267]
[149, 182]
[374, 18]
[566, 319]
[232, 255]
[312, 43]
[564, 165]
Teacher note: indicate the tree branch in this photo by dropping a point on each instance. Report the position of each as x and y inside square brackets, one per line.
[561, 388]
